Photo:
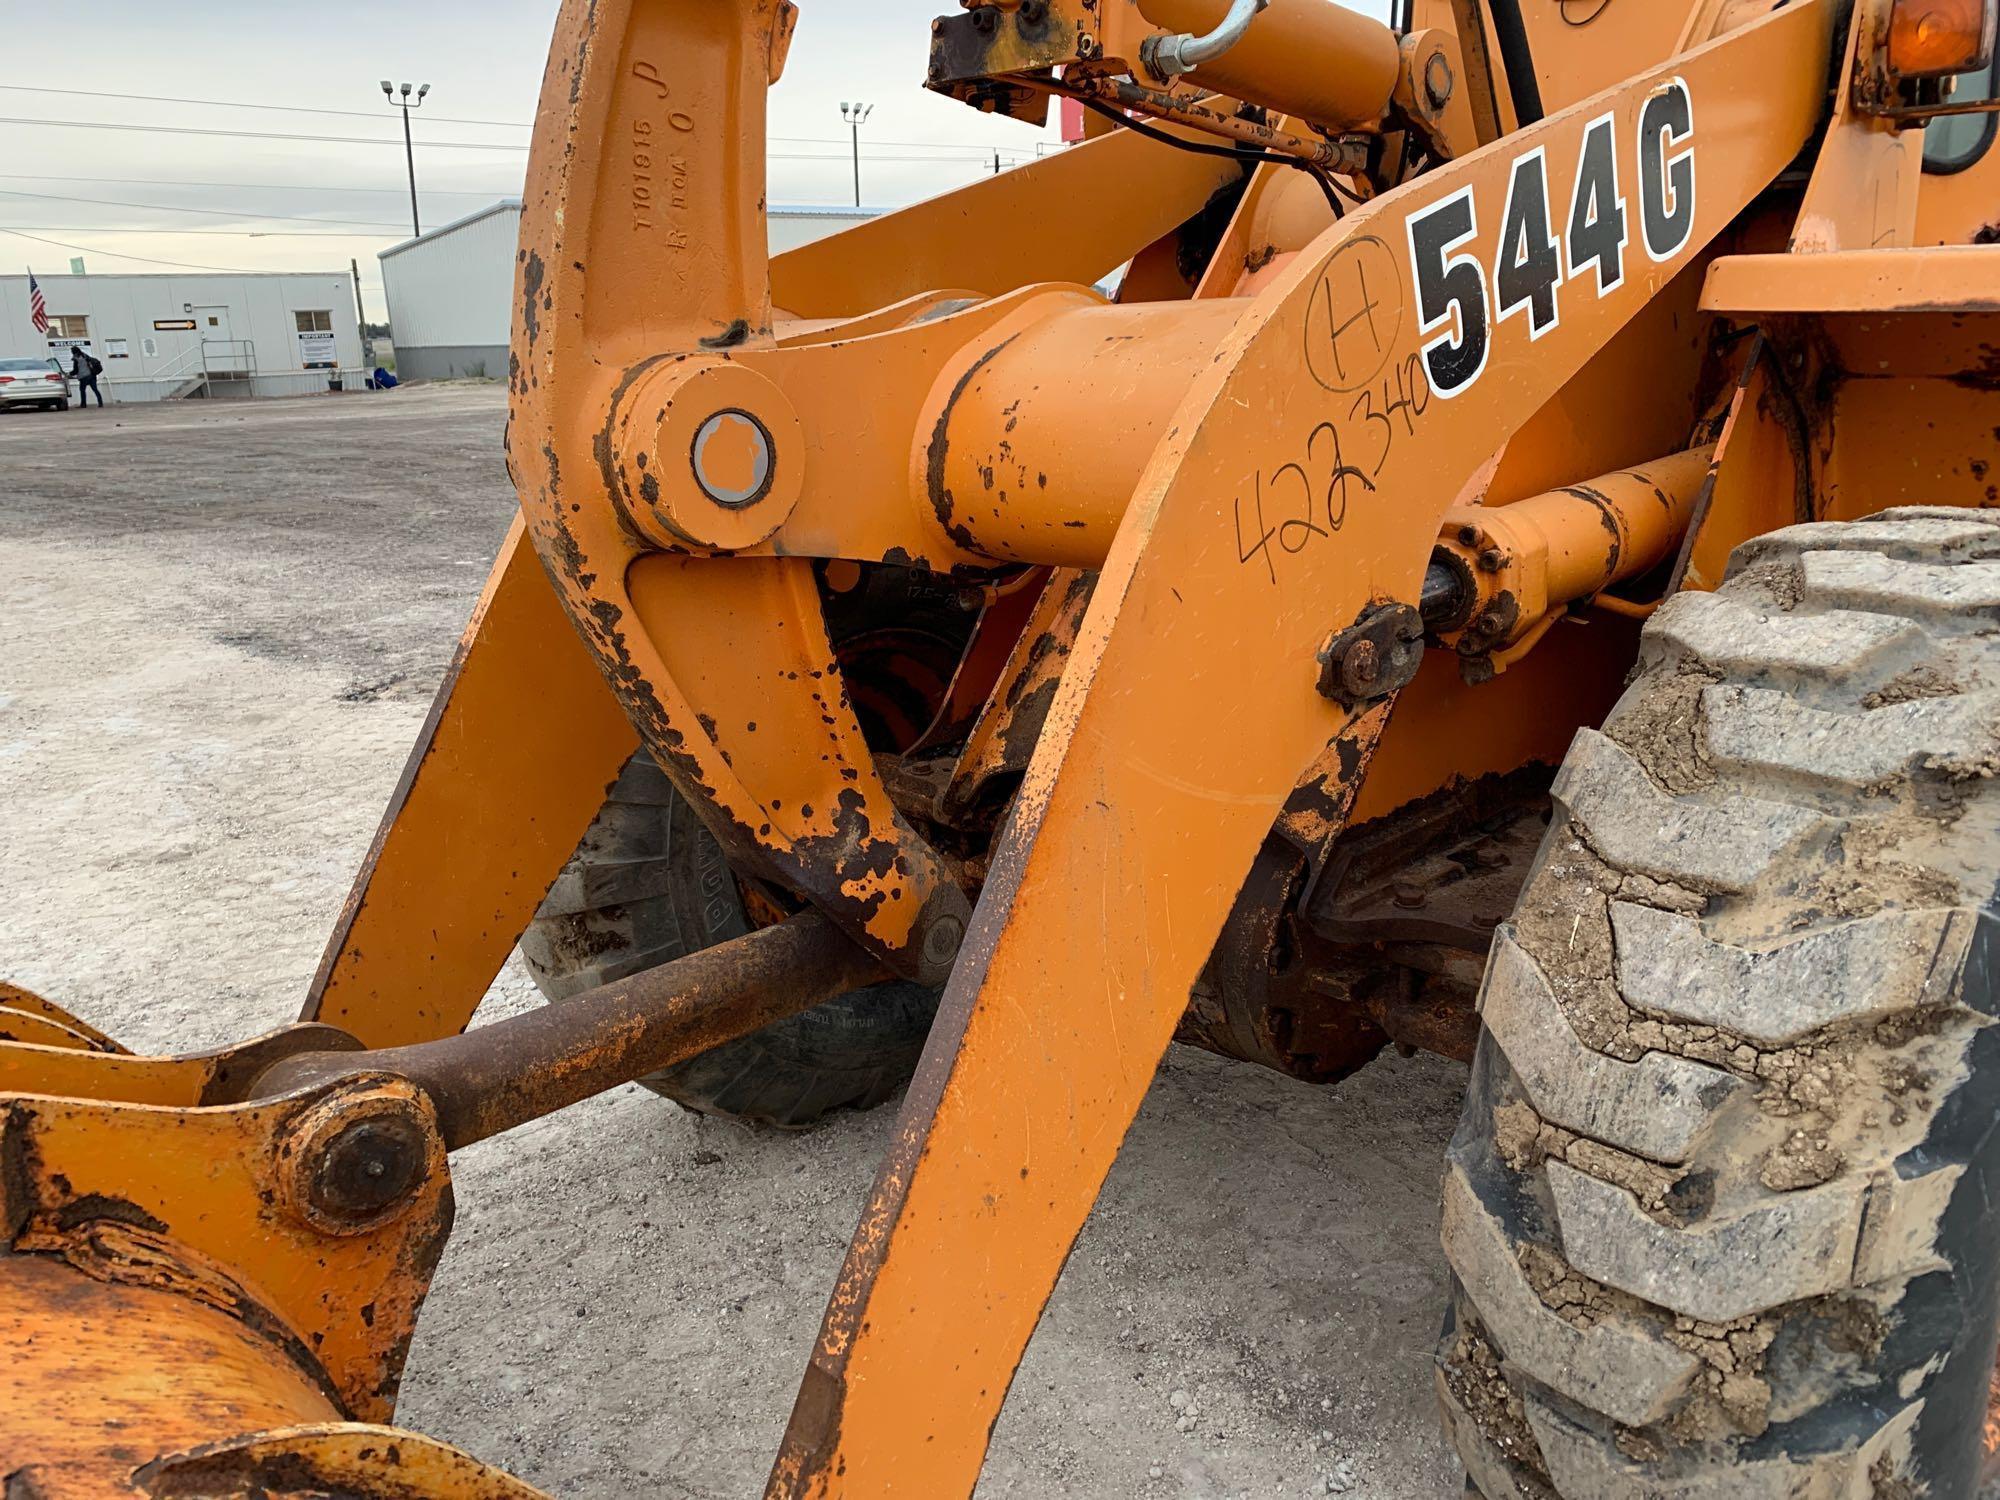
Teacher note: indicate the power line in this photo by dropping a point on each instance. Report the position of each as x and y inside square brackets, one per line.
[814, 140]
[389, 232]
[179, 265]
[289, 109]
[365, 140]
[254, 135]
[361, 114]
[176, 208]
[254, 187]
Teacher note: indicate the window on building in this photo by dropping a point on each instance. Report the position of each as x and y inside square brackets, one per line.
[317, 348]
[68, 326]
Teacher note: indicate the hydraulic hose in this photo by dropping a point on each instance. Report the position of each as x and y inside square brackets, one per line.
[1171, 56]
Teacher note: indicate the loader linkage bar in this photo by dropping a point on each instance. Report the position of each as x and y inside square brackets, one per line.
[496, 1077]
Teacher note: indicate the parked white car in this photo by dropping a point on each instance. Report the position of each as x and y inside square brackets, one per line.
[34, 382]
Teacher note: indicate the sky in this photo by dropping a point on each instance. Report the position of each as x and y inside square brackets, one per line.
[160, 194]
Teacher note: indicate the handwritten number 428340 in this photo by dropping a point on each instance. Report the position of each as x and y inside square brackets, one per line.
[1297, 502]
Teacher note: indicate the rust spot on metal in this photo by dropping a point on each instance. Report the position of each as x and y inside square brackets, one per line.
[942, 502]
[18, 1172]
[533, 275]
[1607, 516]
[734, 336]
[97, 1207]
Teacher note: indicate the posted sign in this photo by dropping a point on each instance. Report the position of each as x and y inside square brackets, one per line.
[318, 352]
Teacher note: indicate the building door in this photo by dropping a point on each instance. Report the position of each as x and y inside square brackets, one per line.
[224, 353]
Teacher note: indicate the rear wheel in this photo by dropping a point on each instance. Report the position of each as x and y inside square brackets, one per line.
[648, 885]
[1721, 1210]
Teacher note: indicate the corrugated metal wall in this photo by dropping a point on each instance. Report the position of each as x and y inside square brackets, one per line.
[455, 288]
[451, 293]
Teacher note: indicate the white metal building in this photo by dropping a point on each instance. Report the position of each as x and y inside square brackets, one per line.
[451, 291]
[793, 227]
[165, 337]
[451, 294]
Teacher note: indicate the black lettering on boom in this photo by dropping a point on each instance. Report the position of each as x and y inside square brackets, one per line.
[1597, 208]
[1449, 283]
[1530, 264]
[1666, 174]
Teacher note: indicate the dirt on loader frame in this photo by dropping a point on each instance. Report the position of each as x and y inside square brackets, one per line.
[1194, 663]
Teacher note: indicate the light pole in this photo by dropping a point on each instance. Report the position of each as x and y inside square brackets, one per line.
[855, 115]
[406, 104]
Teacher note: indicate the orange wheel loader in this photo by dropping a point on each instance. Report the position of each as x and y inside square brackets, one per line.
[1512, 570]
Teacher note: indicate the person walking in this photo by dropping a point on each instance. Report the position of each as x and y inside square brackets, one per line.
[85, 369]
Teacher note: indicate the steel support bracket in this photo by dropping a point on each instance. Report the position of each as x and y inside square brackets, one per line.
[1377, 657]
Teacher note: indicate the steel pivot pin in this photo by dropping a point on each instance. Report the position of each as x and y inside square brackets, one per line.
[733, 459]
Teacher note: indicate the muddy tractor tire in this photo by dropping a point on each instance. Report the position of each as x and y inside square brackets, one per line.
[1721, 1209]
[649, 884]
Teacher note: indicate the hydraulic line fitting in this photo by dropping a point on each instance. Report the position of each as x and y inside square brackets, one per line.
[1172, 56]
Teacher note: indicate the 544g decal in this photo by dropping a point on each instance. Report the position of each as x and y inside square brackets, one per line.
[1537, 255]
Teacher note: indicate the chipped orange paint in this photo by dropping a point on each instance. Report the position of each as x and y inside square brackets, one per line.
[194, 1200]
[100, 1379]
[142, 1390]
[894, 378]
[344, 1458]
[1137, 819]
[53, 1026]
[642, 281]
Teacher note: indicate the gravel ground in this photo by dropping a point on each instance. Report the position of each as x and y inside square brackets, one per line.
[219, 628]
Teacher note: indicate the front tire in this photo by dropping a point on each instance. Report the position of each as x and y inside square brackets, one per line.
[649, 884]
[1721, 1211]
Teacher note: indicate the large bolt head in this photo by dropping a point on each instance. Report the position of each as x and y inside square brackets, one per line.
[940, 934]
[1361, 667]
[1375, 657]
[368, 1168]
[942, 940]
[358, 1158]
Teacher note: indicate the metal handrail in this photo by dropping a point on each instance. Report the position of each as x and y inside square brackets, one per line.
[248, 346]
[180, 367]
[174, 366]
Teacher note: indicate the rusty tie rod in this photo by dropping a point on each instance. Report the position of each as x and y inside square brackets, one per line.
[489, 1080]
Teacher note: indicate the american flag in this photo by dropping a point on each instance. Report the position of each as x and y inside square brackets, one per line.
[38, 308]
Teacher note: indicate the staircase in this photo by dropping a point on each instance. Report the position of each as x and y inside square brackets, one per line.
[212, 368]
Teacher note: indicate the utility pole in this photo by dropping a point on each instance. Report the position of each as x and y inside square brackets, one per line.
[855, 115]
[361, 313]
[406, 104]
[996, 163]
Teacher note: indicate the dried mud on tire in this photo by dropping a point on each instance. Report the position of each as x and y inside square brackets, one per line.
[1720, 1210]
